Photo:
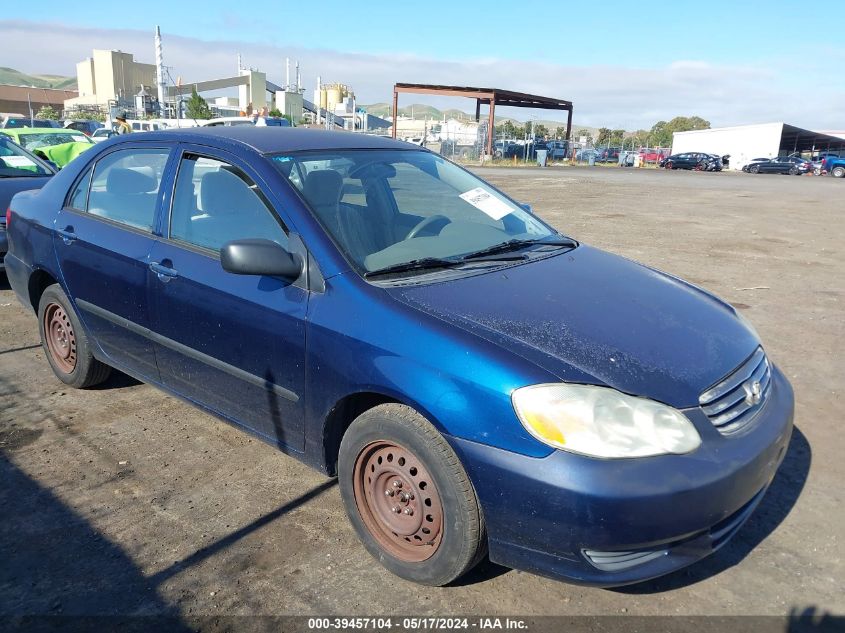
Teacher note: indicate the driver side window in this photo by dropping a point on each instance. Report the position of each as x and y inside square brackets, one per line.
[215, 202]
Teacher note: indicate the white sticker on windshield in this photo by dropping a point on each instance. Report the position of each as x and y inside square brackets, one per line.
[17, 161]
[483, 201]
[79, 138]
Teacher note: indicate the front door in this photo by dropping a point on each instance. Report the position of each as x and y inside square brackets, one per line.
[234, 343]
[103, 239]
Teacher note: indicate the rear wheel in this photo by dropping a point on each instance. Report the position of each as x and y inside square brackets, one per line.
[838, 172]
[65, 343]
[408, 496]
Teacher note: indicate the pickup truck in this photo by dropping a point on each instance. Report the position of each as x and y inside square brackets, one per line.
[835, 166]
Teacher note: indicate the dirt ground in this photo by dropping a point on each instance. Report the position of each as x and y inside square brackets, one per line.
[123, 500]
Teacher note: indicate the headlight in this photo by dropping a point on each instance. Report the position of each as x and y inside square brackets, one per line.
[602, 422]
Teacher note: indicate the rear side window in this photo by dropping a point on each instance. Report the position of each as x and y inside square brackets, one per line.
[215, 202]
[79, 198]
[125, 186]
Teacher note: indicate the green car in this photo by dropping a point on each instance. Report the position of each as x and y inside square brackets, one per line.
[57, 145]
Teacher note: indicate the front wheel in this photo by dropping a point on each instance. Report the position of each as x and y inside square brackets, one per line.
[838, 172]
[793, 171]
[754, 169]
[65, 343]
[669, 165]
[408, 496]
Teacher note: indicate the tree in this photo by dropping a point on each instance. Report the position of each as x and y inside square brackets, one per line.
[560, 132]
[47, 112]
[616, 137]
[197, 108]
[604, 136]
[661, 132]
[275, 112]
[540, 130]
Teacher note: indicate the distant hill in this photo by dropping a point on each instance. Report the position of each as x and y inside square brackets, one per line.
[17, 78]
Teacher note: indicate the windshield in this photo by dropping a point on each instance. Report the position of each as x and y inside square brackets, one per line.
[16, 163]
[389, 207]
[33, 141]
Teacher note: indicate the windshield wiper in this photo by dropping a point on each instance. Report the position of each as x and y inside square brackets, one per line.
[415, 264]
[514, 245]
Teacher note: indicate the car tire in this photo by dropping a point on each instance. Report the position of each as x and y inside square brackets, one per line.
[838, 172]
[754, 169]
[793, 171]
[669, 165]
[65, 343]
[409, 498]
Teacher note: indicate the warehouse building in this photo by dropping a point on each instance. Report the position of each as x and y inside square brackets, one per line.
[746, 142]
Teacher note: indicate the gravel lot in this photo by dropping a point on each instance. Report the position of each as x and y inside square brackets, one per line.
[122, 500]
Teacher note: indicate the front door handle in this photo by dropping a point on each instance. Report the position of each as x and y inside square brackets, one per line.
[163, 272]
[68, 236]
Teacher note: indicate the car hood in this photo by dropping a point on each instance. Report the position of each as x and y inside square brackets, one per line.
[590, 316]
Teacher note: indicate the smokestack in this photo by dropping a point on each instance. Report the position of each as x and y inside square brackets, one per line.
[240, 64]
[287, 74]
[297, 76]
[160, 72]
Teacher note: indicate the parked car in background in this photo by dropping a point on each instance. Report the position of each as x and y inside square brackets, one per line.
[793, 165]
[607, 154]
[226, 121]
[272, 121]
[747, 166]
[53, 144]
[692, 160]
[835, 166]
[651, 155]
[558, 150]
[484, 398]
[86, 126]
[584, 154]
[19, 170]
[22, 122]
[98, 136]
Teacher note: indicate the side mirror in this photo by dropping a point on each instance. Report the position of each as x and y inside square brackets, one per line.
[527, 207]
[260, 257]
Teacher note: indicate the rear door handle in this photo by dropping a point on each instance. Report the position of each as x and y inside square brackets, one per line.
[68, 236]
[164, 273]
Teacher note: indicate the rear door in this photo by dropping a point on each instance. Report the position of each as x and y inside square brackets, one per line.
[103, 239]
[234, 343]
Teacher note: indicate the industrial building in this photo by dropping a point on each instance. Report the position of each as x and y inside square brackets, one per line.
[109, 76]
[746, 142]
[20, 99]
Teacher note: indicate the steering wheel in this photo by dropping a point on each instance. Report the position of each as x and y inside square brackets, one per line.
[442, 220]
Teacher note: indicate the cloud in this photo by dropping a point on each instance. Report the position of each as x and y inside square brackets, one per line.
[615, 96]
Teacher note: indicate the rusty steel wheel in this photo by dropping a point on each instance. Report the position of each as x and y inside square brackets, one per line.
[65, 342]
[60, 337]
[408, 496]
[398, 501]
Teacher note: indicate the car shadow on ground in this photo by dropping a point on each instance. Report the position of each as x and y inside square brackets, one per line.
[773, 509]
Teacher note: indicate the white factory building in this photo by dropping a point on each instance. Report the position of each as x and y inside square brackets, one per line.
[766, 140]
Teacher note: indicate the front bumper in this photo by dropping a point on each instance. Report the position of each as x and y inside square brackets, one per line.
[617, 522]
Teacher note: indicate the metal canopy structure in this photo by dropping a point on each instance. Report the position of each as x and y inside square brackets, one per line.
[795, 139]
[487, 96]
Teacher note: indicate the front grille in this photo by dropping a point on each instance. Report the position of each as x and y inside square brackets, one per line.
[733, 402]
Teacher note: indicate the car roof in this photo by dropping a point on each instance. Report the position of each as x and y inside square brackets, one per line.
[35, 130]
[269, 140]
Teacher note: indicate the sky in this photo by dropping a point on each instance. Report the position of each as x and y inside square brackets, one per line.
[622, 64]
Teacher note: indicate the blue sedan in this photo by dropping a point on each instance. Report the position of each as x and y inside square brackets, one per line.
[479, 383]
